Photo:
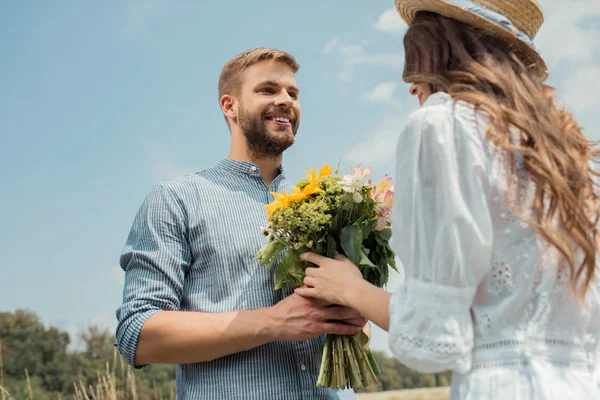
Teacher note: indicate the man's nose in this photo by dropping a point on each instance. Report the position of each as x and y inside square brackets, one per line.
[284, 99]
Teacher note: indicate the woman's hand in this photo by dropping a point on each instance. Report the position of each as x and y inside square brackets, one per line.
[332, 281]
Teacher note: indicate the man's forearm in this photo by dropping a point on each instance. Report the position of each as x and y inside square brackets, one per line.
[183, 337]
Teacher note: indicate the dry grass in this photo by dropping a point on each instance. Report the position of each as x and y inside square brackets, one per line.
[408, 394]
[108, 387]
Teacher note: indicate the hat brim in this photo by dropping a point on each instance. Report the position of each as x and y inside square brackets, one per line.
[409, 8]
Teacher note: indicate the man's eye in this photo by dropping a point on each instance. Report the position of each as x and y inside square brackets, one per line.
[294, 95]
[267, 90]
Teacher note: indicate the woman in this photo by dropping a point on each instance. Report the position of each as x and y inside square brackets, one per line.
[495, 216]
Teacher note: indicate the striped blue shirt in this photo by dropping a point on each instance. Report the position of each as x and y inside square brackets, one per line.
[191, 248]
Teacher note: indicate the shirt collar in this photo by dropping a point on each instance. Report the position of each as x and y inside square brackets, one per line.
[244, 167]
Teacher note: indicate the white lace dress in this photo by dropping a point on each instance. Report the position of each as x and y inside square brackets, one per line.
[483, 295]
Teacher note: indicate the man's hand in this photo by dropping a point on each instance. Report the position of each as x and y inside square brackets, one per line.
[298, 318]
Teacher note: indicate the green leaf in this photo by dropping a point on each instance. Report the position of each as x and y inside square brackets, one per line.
[385, 234]
[319, 248]
[279, 276]
[331, 246]
[269, 253]
[364, 260]
[296, 272]
[282, 272]
[366, 230]
[351, 242]
[335, 224]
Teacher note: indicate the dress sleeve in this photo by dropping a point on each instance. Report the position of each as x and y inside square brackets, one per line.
[443, 236]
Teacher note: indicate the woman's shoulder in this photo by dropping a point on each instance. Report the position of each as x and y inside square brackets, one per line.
[440, 114]
[441, 108]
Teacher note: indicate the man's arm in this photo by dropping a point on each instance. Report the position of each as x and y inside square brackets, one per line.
[180, 337]
[151, 329]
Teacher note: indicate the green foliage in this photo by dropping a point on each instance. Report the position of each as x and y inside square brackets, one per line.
[326, 223]
[397, 376]
[28, 348]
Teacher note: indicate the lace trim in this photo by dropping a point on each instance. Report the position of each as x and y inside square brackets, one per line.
[524, 363]
[522, 343]
[432, 345]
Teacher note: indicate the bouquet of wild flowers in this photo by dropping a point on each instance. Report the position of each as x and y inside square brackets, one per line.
[328, 214]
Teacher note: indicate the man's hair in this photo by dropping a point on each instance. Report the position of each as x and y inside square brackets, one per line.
[230, 81]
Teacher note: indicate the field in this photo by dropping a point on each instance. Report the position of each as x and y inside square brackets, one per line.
[408, 394]
[118, 383]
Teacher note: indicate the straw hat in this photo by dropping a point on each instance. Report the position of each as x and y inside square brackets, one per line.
[525, 15]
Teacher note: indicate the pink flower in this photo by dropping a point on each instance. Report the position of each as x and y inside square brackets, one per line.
[384, 210]
[361, 173]
[379, 191]
[383, 195]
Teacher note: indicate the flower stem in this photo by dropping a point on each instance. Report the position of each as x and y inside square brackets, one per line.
[352, 363]
[369, 376]
[339, 358]
[324, 379]
[346, 363]
[373, 363]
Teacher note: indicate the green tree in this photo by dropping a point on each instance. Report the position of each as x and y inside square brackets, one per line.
[26, 343]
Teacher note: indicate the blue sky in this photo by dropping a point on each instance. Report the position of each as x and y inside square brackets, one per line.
[99, 101]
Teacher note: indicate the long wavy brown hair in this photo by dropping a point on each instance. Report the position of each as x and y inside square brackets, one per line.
[468, 64]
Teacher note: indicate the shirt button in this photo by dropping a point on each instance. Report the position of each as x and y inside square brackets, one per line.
[303, 367]
[253, 169]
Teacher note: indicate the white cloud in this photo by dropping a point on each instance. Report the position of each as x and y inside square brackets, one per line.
[389, 21]
[164, 169]
[162, 164]
[569, 41]
[118, 275]
[330, 45]
[352, 55]
[580, 94]
[563, 37]
[140, 13]
[384, 92]
[379, 148]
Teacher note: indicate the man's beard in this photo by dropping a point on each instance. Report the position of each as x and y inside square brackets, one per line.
[262, 142]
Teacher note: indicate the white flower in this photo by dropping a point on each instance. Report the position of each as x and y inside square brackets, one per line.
[357, 197]
[352, 183]
[355, 183]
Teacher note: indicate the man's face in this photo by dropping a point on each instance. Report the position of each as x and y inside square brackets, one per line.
[268, 110]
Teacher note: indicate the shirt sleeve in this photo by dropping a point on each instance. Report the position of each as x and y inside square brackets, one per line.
[155, 258]
[443, 236]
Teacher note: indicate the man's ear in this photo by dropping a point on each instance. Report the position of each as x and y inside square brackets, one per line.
[228, 106]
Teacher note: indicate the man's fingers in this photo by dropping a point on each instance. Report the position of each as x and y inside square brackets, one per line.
[311, 271]
[359, 321]
[341, 313]
[333, 328]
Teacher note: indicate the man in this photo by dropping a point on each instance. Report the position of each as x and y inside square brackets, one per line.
[194, 295]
